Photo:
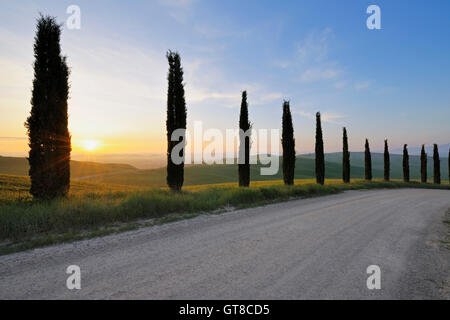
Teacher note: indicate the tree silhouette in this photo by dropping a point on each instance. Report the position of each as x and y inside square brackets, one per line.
[244, 143]
[387, 162]
[437, 165]
[320, 158]
[367, 162]
[405, 163]
[47, 125]
[288, 143]
[345, 158]
[423, 165]
[176, 121]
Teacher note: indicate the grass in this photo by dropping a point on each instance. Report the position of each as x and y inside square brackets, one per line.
[211, 174]
[446, 221]
[94, 209]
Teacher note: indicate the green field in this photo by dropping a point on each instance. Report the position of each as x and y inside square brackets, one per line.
[106, 198]
[94, 209]
[124, 174]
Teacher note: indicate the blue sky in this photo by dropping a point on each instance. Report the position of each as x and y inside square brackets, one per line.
[392, 82]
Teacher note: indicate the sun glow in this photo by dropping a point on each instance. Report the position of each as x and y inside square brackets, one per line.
[90, 145]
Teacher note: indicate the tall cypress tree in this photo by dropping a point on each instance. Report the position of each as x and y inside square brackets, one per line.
[405, 163]
[423, 165]
[448, 165]
[437, 165]
[47, 125]
[176, 119]
[320, 157]
[244, 143]
[387, 162]
[288, 143]
[367, 162]
[345, 158]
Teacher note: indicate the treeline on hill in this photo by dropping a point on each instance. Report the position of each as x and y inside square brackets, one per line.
[50, 140]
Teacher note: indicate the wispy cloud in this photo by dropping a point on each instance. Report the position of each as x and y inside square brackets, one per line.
[232, 98]
[362, 85]
[312, 58]
[328, 117]
[315, 47]
[340, 84]
[178, 3]
[13, 138]
[179, 10]
[318, 74]
[213, 32]
[283, 64]
[332, 117]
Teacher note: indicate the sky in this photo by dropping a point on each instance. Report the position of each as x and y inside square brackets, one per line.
[389, 83]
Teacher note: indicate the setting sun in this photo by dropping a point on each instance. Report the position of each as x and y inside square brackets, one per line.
[90, 145]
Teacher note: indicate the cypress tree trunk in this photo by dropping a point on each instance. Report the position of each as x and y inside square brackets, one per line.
[437, 165]
[320, 158]
[176, 120]
[423, 165]
[244, 143]
[47, 125]
[405, 164]
[288, 143]
[367, 162]
[345, 158]
[387, 164]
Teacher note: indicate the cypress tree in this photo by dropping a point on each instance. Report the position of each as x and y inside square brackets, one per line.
[345, 158]
[176, 119]
[367, 162]
[437, 165]
[423, 165]
[405, 163]
[47, 126]
[320, 158]
[288, 143]
[448, 165]
[244, 143]
[387, 162]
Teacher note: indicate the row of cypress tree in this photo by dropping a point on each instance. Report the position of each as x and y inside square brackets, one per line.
[320, 159]
[50, 140]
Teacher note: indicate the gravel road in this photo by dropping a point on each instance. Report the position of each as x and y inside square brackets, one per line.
[315, 248]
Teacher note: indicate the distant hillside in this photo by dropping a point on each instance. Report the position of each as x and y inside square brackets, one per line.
[19, 166]
[357, 159]
[415, 150]
[209, 174]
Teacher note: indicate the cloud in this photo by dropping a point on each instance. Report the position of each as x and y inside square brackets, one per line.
[312, 59]
[330, 117]
[340, 84]
[178, 3]
[308, 115]
[318, 74]
[232, 98]
[212, 32]
[362, 85]
[315, 47]
[283, 64]
[13, 138]
[327, 117]
[180, 10]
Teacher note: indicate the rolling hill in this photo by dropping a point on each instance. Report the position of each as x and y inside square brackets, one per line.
[125, 174]
[19, 166]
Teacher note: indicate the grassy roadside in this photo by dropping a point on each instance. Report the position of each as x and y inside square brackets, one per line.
[26, 224]
[446, 221]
